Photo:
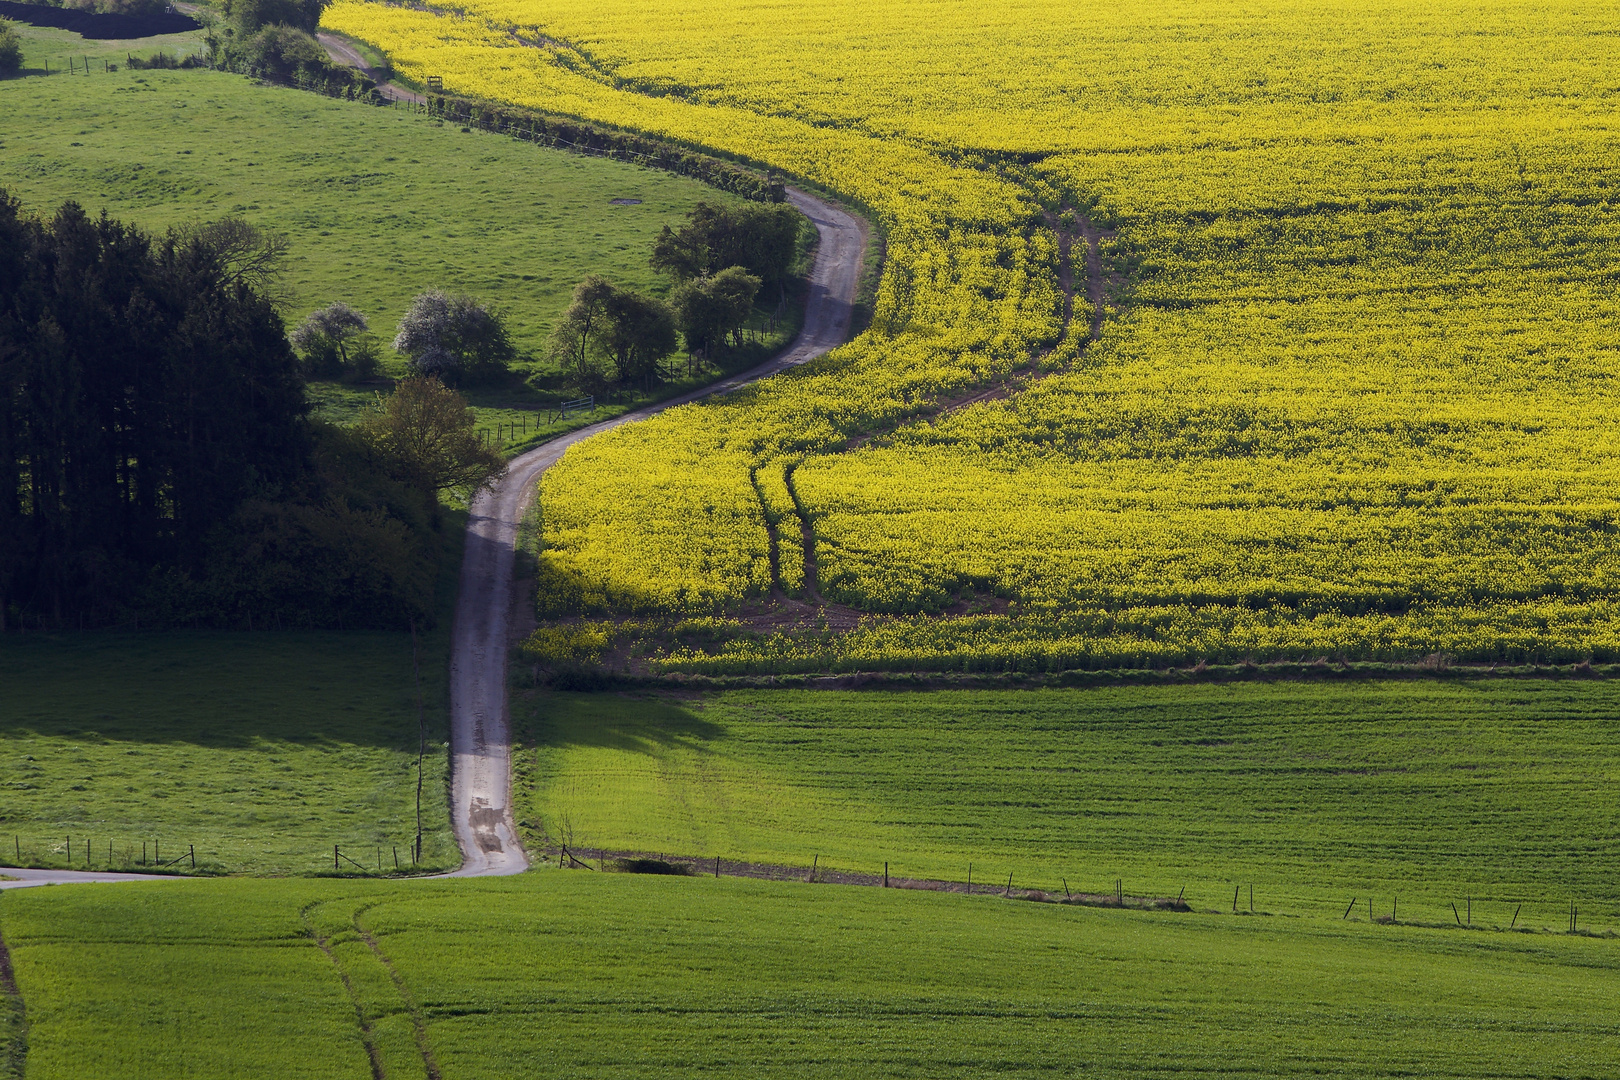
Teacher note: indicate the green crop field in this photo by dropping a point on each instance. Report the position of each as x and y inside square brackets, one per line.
[605, 975]
[1314, 793]
[378, 203]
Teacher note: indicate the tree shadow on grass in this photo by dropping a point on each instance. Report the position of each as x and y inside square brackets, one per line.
[216, 689]
[617, 722]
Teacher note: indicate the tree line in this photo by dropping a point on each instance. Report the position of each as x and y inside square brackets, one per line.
[157, 457]
[720, 259]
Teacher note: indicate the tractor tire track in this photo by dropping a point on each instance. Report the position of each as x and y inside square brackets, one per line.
[367, 1037]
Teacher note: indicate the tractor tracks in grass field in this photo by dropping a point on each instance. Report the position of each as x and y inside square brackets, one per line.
[481, 632]
[391, 1025]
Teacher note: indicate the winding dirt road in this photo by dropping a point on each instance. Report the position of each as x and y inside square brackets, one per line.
[480, 764]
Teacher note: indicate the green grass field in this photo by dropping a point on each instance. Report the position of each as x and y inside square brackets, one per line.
[263, 750]
[378, 203]
[1431, 792]
[55, 51]
[593, 975]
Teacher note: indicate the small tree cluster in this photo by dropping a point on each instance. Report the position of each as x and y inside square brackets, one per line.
[249, 16]
[761, 239]
[609, 329]
[274, 40]
[334, 343]
[146, 389]
[707, 309]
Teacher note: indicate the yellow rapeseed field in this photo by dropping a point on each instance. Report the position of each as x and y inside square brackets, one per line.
[1355, 391]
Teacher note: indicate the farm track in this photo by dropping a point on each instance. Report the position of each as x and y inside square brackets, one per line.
[481, 634]
[28, 878]
[342, 52]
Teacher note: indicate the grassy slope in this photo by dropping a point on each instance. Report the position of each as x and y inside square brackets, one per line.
[591, 975]
[261, 749]
[379, 204]
[1315, 793]
[45, 49]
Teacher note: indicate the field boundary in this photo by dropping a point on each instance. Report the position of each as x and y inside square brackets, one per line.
[658, 863]
[1319, 670]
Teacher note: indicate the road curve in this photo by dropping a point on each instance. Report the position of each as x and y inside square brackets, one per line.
[27, 878]
[480, 765]
[343, 53]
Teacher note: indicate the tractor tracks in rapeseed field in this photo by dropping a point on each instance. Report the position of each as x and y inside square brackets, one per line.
[801, 604]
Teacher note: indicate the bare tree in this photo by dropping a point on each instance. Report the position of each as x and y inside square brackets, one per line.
[239, 254]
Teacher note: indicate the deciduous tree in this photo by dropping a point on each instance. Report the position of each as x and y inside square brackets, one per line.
[708, 309]
[425, 432]
[454, 338]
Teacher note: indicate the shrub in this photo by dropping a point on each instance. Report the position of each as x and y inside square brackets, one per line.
[331, 343]
[10, 48]
[253, 15]
[454, 338]
[425, 431]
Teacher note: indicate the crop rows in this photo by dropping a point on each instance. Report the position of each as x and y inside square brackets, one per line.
[613, 975]
[1354, 395]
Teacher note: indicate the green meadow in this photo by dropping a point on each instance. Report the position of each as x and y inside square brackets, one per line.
[378, 203]
[1417, 794]
[46, 49]
[262, 750]
[606, 975]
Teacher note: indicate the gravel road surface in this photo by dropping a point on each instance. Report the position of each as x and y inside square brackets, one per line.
[481, 768]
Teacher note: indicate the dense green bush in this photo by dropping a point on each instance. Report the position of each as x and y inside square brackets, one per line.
[252, 15]
[287, 54]
[10, 48]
